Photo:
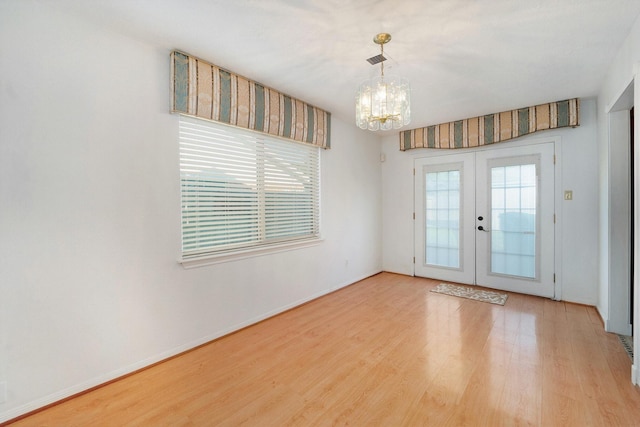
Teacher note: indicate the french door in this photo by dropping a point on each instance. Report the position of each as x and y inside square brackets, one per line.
[487, 218]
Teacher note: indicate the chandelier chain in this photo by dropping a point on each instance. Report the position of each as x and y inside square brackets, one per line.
[382, 63]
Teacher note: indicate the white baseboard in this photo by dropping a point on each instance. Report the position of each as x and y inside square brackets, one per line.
[602, 316]
[634, 375]
[114, 375]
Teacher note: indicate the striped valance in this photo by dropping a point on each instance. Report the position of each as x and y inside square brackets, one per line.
[493, 128]
[204, 90]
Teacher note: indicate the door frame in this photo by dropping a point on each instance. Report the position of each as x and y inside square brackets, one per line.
[558, 197]
[618, 319]
[627, 97]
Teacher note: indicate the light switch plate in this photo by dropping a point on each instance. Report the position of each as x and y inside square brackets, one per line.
[568, 195]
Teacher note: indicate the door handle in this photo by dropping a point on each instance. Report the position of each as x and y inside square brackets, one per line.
[481, 228]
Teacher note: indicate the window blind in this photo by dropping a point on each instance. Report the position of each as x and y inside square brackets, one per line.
[241, 189]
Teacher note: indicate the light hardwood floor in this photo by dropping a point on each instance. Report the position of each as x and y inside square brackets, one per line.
[384, 351]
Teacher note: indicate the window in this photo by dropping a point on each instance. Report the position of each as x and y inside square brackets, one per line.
[242, 189]
[443, 214]
[514, 199]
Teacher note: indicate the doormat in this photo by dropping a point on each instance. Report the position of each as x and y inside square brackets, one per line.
[627, 343]
[470, 293]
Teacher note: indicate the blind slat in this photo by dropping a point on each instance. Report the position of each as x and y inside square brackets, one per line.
[241, 189]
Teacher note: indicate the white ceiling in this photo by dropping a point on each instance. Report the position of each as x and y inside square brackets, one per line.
[463, 58]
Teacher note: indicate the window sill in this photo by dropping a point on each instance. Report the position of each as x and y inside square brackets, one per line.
[218, 258]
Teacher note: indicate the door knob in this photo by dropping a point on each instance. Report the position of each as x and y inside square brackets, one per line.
[481, 228]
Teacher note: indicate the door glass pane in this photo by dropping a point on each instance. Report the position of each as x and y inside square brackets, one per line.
[513, 220]
[442, 228]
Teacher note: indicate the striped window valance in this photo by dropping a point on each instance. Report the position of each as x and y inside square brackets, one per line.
[493, 128]
[204, 90]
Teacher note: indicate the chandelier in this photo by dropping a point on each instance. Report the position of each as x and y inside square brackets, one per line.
[383, 102]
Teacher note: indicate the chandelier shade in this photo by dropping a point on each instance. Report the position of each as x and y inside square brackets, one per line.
[383, 102]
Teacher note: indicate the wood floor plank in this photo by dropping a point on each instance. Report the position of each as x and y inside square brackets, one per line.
[384, 351]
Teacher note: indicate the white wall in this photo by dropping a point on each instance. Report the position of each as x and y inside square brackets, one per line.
[580, 217]
[578, 157]
[90, 215]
